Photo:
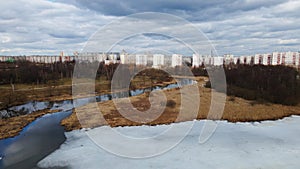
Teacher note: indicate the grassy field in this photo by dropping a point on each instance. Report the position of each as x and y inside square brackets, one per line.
[235, 110]
[23, 93]
[59, 90]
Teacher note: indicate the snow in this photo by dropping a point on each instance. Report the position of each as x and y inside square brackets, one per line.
[266, 145]
[24, 109]
[31, 107]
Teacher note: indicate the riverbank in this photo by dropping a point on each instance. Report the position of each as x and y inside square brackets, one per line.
[62, 90]
[10, 127]
[235, 110]
[13, 126]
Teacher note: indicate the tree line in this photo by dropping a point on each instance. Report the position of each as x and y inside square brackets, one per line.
[276, 84]
[27, 73]
[24, 72]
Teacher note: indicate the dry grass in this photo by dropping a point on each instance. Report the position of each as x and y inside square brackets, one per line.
[13, 126]
[24, 93]
[9, 98]
[235, 110]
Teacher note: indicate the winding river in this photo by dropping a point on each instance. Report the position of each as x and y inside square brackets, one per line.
[44, 135]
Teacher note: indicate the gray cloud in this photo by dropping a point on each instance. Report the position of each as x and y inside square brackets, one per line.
[27, 26]
[191, 9]
[234, 26]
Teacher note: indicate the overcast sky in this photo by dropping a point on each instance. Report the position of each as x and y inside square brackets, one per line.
[239, 27]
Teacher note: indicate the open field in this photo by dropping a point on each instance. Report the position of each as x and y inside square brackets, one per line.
[60, 90]
[13, 126]
[236, 110]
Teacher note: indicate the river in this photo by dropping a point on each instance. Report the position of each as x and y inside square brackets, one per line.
[44, 135]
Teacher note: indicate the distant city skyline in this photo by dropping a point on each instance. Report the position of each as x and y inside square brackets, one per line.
[238, 27]
[158, 60]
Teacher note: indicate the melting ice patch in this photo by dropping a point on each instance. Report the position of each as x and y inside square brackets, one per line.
[270, 144]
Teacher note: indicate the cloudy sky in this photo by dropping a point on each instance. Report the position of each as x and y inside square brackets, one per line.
[239, 27]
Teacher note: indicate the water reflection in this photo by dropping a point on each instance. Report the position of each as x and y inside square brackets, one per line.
[44, 135]
[35, 142]
[69, 104]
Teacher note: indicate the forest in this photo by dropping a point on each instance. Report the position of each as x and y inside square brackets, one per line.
[275, 84]
[24, 72]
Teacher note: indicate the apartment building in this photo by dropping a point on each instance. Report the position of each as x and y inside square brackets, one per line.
[158, 60]
[176, 60]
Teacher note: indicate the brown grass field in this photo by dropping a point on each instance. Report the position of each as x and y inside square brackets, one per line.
[58, 91]
[23, 93]
[235, 110]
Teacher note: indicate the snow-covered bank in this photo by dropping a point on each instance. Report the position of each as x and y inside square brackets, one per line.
[270, 144]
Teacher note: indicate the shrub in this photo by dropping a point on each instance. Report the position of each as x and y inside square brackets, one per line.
[231, 98]
[171, 103]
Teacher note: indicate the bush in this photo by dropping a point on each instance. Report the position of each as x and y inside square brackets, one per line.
[207, 84]
[171, 103]
[231, 98]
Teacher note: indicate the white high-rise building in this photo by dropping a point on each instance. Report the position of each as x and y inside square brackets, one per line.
[243, 59]
[276, 58]
[258, 59]
[283, 55]
[290, 58]
[207, 60]
[197, 61]
[100, 57]
[218, 61]
[176, 60]
[266, 59]
[249, 59]
[158, 60]
[297, 59]
[141, 60]
[126, 58]
[228, 58]
[4, 58]
[123, 57]
[88, 57]
[113, 56]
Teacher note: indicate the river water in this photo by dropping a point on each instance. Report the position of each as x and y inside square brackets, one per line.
[45, 134]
